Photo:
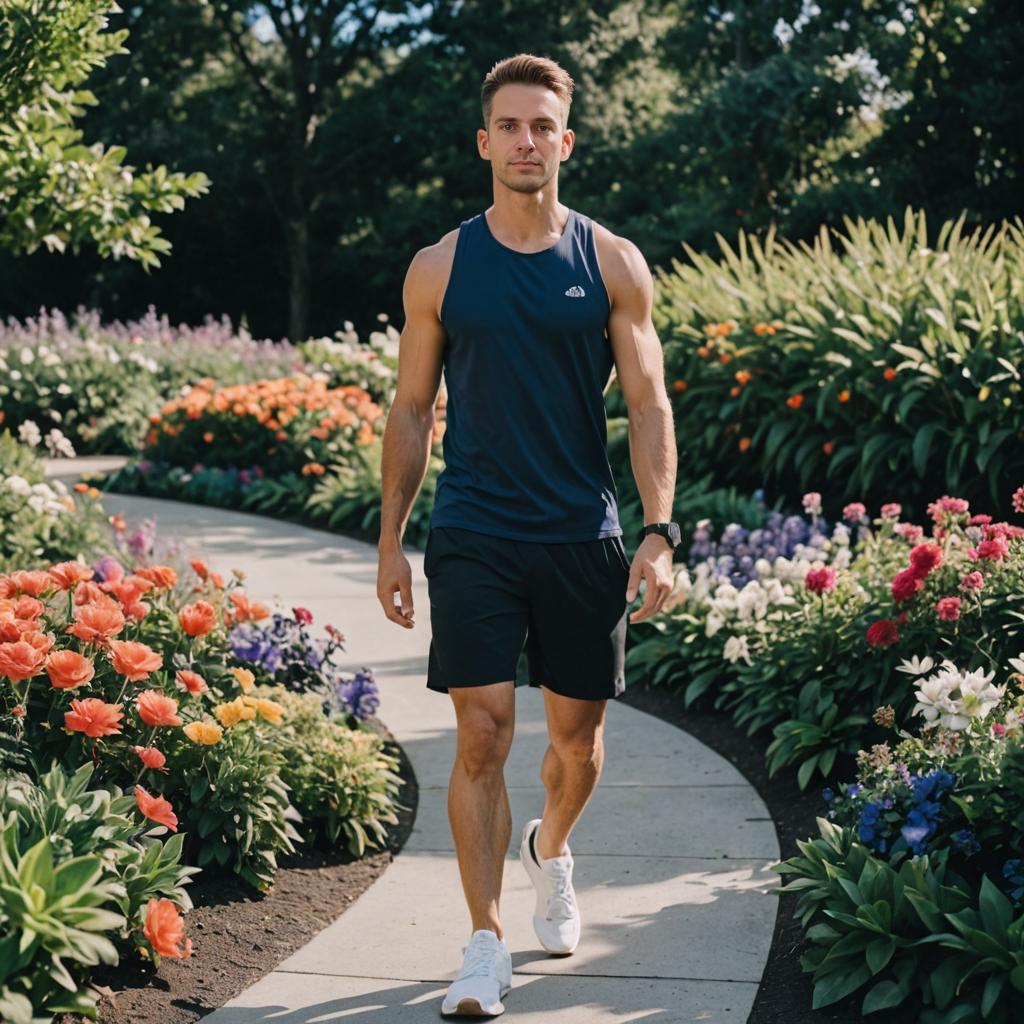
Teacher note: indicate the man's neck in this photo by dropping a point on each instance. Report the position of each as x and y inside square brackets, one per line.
[527, 220]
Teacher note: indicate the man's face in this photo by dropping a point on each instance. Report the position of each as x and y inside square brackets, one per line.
[526, 139]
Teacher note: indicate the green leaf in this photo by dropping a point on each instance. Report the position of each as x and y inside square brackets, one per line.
[883, 996]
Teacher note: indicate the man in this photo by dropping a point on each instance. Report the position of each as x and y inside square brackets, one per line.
[528, 307]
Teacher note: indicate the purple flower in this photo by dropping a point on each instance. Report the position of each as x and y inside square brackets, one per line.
[358, 695]
[107, 568]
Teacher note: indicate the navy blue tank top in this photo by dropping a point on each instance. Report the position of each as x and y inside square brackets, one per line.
[526, 362]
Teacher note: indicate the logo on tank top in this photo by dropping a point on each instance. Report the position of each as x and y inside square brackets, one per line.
[575, 292]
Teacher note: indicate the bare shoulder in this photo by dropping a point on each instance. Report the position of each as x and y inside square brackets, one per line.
[428, 274]
[623, 265]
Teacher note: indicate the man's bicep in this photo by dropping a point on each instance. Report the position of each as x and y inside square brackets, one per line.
[639, 360]
[421, 343]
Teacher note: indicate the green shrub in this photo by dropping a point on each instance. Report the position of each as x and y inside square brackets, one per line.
[873, 360]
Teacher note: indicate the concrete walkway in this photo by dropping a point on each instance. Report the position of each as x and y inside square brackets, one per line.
[672, 852]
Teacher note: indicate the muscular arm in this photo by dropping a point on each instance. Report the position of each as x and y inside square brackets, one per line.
[640, 368]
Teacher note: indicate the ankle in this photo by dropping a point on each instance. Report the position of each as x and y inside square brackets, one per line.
[545, 848]
[490, 927]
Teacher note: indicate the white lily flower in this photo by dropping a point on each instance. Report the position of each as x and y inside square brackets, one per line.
[916, 666]
[736, 647]
[1017, 664]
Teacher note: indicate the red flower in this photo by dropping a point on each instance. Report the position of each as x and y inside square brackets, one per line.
[817, 581]
[905, 585]
[994, 549]
[303, 615]
[948, 609]
[924, 558]
[883, 633]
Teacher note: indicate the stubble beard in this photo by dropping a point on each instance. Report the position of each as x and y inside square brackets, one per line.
[526, 183]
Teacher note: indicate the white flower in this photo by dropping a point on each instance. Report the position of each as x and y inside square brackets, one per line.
[18, 485]
[27, 356]
[916, 667]
[1017, 664]
[29, 433]
[57, 444]
[735, 648]
[715, 622]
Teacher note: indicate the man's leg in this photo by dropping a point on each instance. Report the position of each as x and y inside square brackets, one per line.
[571, 766]
[478, 809]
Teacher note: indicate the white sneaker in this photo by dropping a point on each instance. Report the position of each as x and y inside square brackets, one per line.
[485, 977]
[556, 918]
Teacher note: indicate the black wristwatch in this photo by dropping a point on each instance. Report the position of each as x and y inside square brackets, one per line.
[670, 531]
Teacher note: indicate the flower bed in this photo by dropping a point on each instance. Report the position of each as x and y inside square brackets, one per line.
[129, 702]
[875, 360]
[808, 645]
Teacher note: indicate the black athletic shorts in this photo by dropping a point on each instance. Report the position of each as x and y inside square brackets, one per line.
[489, 594]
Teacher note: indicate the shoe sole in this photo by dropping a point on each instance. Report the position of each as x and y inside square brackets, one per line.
[470, 1007]
[527, 861]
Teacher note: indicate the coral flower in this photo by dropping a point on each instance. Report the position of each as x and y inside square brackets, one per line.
[828, 447]
[189, 680]
[67, 575]
[165, 929]
[31, 581]
[150, 756]
[94, 717]
[200, 568]
[743, 376]
[889, 373]
[157, 709]
[680, 385]
[948, 609]
[844, 396]
[795, 401]
[68, 669]
[161, 576]
[198, 619]
[20, 660]
[97, 623]
[204, 733]
[156, 808]
[744, 443]
[133, 659]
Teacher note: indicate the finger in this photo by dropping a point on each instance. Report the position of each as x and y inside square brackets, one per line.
[405, 592]
[633, 585]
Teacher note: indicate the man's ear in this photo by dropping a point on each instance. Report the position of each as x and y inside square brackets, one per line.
[483, 143]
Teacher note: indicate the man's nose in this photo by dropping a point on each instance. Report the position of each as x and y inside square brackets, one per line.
[525, 140]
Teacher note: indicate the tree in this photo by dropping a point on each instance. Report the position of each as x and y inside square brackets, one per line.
[55, 191]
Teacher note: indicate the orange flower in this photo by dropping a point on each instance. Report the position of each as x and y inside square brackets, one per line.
[217, 580]
[703, 351]
[743, 376]
[889, 373]
[844, 396]
[165, 928]
[67, 575]
[744, 443]
[20, 660]
[97, 623]
[30, 581]
[204, 733]
[80, 487]
[189, 680]
[94, 717]
[117, 522]
[320, 433]
[795, 401]
[150, 756]
[156, 709]
[734, 391]
[68, 669]
[133, 659]
[760, 329]
[313, 467]
[156, 808]
[42, 642]
[724, 358]
[161, 576]
[280, 436]
[680, 385]
[245, 678]
[198, 619]
[828, 447]
[208, 436]
[200, 567]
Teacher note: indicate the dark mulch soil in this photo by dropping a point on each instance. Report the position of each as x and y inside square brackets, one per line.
[785, 993]
[239, 935]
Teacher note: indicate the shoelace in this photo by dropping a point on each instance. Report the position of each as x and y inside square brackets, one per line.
[562, 903]
[480, 961]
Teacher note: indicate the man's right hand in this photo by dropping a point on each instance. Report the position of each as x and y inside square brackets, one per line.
[395, 574]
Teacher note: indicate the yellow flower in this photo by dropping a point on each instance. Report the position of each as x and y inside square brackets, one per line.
[206, 733]
[271, 711]
[233, 712]
[245, 678]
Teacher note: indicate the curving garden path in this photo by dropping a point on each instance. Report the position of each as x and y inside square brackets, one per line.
[671, 855]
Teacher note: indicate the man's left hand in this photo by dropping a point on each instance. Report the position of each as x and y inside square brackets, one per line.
[652, 563]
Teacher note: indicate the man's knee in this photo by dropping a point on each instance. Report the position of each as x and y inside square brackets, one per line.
[579, 746]
[484, 739]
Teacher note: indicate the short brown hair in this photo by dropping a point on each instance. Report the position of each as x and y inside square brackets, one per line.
[526, 69]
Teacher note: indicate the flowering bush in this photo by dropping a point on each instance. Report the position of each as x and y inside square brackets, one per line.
[99, 885]
[372, 366]
[810, 647]
[100, 382]
[40, 520]
[829, 361]
[915, 844]
[285, 653]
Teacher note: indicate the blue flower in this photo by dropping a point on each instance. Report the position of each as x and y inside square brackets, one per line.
[827, 795]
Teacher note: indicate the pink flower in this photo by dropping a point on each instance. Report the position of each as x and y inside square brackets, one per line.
[892, 510]
[905, 585]
[947, 506]
[812, 503]
[924, 558]
[972, 581]
[854, 512]
[993, 549]
[998, 729]
[910, 532]
[883, 633]
[817, 581]
[1018, 500]
[948, 609]
[979, 520]
[303, 615]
